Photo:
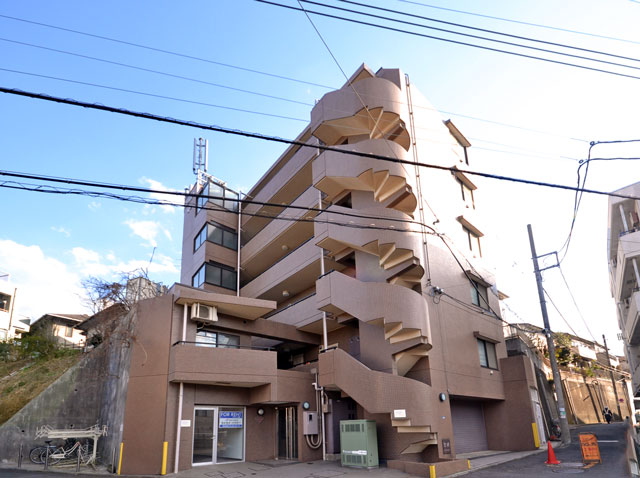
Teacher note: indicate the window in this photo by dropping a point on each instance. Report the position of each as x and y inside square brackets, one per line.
[218, 234]
[467, 194]
[479, 295]
[223, 197]
[68, 331]
[5, 301]
[215, 274]
[474, 241]
[487, 353]
[208, 338]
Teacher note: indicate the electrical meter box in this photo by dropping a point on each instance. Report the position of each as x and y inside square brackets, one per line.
[309, 423]
[358, 443]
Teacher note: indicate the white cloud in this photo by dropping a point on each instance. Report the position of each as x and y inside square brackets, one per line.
[165, 198]
[94, 205]
[44, 284]
[61, 230]
[147, 230]
[89, 262]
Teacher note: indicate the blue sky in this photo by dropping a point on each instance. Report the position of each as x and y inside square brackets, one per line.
[49, 243]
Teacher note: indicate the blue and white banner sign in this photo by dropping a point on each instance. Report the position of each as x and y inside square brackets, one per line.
[230, 420]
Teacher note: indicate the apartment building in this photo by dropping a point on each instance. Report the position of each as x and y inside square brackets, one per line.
[624, 276]
[11, 324]
[348, 286]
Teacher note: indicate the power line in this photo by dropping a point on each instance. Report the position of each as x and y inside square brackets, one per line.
[474, 118]
[168, 52]
[494, 32]
[519, 22]
[153, 95]
[575, 303]
[559, 313]
[456, 42]
[155, 72]
[249, 134]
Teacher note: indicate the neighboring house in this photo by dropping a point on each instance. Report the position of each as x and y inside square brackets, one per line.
[584, 371]
[11, 324]
[624, 274]
[61, 327]
[225, 367]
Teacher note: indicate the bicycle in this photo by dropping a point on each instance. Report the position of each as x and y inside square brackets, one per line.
[67, 452]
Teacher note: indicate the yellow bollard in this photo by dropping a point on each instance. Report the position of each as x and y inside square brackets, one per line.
[120, 457]
[536, 437]
[469, 464]
[164, 458]
[432, 471]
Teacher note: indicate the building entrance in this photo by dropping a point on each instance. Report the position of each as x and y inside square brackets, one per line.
[218, 435]
[287, 433]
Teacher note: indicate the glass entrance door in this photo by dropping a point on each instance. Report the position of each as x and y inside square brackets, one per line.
[287, 433]
[205, 440]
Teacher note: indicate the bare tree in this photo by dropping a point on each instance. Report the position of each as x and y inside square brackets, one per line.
[127, 290]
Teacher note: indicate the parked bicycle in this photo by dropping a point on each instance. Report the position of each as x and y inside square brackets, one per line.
[62, 453]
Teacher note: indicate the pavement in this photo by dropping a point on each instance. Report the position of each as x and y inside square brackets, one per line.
[611, 441]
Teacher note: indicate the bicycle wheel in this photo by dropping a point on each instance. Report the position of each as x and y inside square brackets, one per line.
[55, 455]
[35, 455]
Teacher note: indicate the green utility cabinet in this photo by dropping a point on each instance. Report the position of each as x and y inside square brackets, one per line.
[358, 443]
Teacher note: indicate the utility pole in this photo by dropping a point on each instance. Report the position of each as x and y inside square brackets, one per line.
[613, 380]
[562, 413]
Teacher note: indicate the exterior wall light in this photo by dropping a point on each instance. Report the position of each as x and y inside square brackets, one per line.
[260, 411]
[306, 405]
[442, 397]
[285, 293]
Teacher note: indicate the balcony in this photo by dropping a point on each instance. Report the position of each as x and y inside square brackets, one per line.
[625, 274]
[299, 313]
[632, 320]
[266, 246]
[238, 367]
[401, 311]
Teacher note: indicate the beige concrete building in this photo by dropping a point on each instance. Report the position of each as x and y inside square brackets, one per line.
[393, 270]
[61, 327]
[624, 276]
[11, 324]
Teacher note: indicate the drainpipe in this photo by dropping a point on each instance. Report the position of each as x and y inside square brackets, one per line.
[180, 394]
[324, 314]
[239, 226]
[325, 342]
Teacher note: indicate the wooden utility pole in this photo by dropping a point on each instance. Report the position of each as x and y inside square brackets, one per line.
[557, 380]
[613, 380]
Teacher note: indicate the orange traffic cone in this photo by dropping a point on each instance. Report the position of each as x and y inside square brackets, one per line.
[551, 456]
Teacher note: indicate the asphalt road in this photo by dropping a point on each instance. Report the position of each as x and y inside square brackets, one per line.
[612, 445]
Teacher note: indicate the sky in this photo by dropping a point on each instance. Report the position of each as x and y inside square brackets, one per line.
[524, 118]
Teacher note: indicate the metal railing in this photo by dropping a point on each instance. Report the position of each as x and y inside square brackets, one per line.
[223, 346]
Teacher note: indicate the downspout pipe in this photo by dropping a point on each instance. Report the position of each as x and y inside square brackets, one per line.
[180, 395]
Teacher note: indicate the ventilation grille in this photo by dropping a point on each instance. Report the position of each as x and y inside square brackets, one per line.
[351, 427]
[355, 459]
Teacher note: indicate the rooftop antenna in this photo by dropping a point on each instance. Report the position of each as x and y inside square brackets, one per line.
[200, 158]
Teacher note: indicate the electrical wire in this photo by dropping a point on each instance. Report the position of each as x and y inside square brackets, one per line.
[155, 72]
[485, 30]
[168, 52]
[575, 303]
[559, 313]
[519, 22]
[477, 37]
[456, 42]
[153, 95]
[249, 134]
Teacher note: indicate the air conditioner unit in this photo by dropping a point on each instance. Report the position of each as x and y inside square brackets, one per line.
[203, 312]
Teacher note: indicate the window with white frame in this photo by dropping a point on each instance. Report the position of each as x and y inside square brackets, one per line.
[223, 197]
[487, 354]
[5, 301]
